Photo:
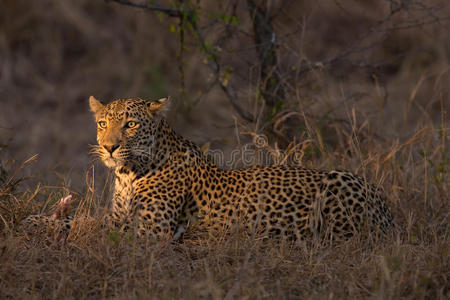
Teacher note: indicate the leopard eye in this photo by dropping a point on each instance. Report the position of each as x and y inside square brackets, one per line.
[131, 124]
[102, 124]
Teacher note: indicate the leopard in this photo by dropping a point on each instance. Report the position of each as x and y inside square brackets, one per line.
[164, 183]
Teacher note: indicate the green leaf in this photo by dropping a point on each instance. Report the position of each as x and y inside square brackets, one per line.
[234, 20]
[114, 237]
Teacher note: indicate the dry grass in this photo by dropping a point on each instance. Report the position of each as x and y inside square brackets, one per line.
[391, 128]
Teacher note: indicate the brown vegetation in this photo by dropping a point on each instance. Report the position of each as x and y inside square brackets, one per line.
[379, 111]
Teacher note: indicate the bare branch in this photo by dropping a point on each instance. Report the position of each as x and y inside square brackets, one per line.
[188, 15]
[215, 66]
[170, 11]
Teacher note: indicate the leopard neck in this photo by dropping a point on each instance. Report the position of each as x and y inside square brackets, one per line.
[164, 149]
[171, 147]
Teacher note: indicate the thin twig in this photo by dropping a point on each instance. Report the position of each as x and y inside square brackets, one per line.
[188, 15]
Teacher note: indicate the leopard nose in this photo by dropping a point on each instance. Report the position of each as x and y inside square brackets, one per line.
[111, 148]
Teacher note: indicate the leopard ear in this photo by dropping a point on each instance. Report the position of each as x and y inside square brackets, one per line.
[95, 104]
[158, 105]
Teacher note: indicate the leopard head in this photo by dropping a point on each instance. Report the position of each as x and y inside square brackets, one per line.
[126, 130]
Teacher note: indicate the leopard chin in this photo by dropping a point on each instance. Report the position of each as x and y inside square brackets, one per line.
[111, 162]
